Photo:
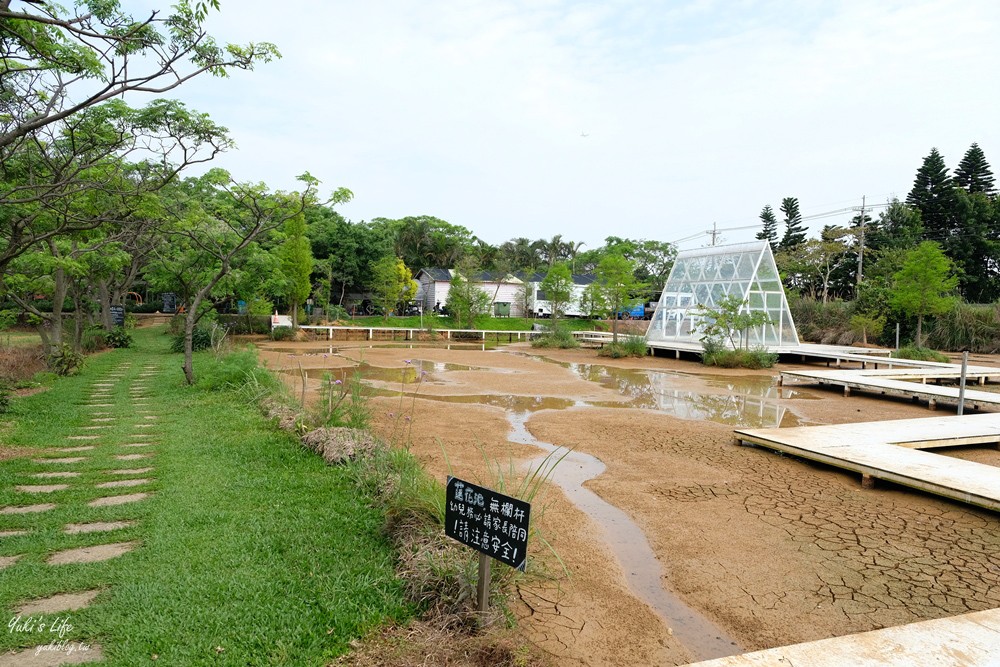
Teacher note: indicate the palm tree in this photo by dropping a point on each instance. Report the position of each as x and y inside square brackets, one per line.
[572, 249]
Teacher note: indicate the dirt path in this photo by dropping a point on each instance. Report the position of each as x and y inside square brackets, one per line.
[116, 420]
[773, 549]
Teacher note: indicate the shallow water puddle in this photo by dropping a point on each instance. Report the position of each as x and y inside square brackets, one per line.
[642, 570]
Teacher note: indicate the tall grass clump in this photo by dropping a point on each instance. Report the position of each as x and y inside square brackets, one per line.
[919, 354]
[558, 336]
[967, 326]
[627, 346]
[754, 358]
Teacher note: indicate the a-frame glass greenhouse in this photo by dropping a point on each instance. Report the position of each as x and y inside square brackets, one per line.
[703, 277]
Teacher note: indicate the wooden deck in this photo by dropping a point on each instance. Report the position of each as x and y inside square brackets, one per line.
[911, 383]
[969, 640]
[893, 451]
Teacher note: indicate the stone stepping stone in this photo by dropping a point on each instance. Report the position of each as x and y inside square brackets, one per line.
[93, 427]
[133, 457]
[27, 509]
[94, 554]
[151, 417]
[103, 384]
[99, 405]
[7, 561]
[138, 444]
[102, 419]
[82, 448]
[45, 475]
[144, 426]
[12, 533]
[82, 437]
[57, 604]
[40, 488]
[123, 482]
[96, 527]
[129, 471]
[68, 459]
[111, 501]
[45, 656]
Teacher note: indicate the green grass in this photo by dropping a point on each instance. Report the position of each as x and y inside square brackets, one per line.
[19, 337]
[250, 544]
[920, 354]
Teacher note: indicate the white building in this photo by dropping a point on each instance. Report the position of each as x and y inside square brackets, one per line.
[506, 292]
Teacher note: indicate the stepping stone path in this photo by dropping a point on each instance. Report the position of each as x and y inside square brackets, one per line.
[111, 501]
[27, 509]
[41, 488]
[96, 527]
[94, 554]
[123, 482]
[99, 404]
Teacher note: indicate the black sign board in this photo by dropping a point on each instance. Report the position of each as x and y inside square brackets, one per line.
[117, 315]
[169, 302]
[490, 522]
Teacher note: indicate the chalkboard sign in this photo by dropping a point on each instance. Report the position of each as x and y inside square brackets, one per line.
[117, 315]
[169, 302]
[490, 522]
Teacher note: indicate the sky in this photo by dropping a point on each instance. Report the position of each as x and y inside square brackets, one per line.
[639, 119]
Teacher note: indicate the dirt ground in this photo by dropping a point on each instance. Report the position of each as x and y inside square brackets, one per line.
[773, 549]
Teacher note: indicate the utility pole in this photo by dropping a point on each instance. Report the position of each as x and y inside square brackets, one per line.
[714, 232]
[861, 244]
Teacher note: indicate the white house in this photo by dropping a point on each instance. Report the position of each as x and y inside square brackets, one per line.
[506, 292]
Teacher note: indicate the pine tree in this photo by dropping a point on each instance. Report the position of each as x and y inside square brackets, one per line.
[769, 228]
[973, 173]
[795, 231]
[933, 194]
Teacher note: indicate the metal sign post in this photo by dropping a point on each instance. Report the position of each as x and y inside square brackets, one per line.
[493, 524]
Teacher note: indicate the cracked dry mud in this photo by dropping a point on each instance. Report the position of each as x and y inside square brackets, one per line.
[774, 549]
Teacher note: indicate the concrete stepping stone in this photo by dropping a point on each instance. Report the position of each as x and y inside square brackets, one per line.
[99, 405]
[49, 655]
[94, 554]
[56, 604]
[128, 471]
[47, 475]
[102, 419]
[27, 509]
[133, 457]
[151, 417]
[123, 482]
[145, 426]
[111, 501]
[66, 459]
[96, 527]
[12, 533]
[82, 437]
[40, 488]
[7, 561]
[81, 448]
[94, 427]
[138, 444]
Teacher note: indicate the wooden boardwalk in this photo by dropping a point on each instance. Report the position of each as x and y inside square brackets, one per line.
[969, 640]
[909, 383]
[893, 451]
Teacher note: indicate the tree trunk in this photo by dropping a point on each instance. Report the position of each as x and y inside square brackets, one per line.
[920, 326]
[189, 321]
[104, 298]
[614, 325]
[295, 315]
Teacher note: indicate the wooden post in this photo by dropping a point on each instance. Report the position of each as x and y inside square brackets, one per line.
[483, 589]
[867, 481]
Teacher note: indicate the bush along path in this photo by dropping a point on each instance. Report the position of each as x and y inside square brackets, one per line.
[153, 522]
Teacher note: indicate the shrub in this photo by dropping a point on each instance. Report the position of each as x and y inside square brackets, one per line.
[754, 358]
[817, 322]
[628, 346]
[5, 398]
[337, 312]
[967, 326]
[94, 339]
[282, 333]
[118, 337]
[559, 337]
[64, 360]
[919, 354]
[201, 339]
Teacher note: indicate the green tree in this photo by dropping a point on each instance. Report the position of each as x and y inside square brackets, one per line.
[296, 264]
[973, 173]
[392, 284]
[933, 194]
[347, 251]
[618, 287]
[924, 284]
[769, 228]
[557, 287]
[730, 321]
[975, 248]
[795, 231]
[466, 301]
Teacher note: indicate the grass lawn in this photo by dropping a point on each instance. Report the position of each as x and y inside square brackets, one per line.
[487, 323]
[250, 550]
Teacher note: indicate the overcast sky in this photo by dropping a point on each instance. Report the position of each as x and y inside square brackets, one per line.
[630, 118]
